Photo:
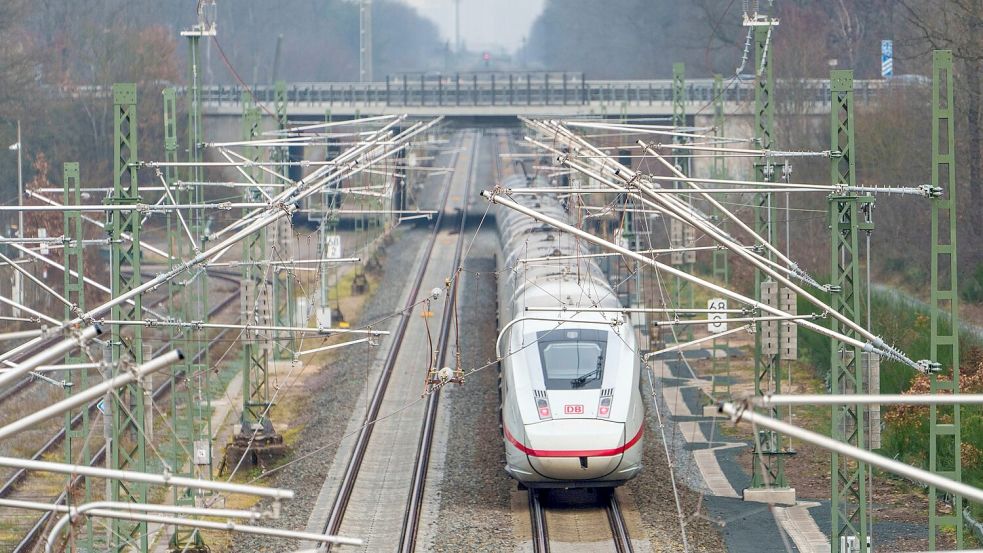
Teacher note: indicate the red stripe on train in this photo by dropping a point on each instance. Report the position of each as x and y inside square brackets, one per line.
[572, 452]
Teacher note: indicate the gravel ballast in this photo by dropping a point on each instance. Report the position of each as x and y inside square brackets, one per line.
[474, 494]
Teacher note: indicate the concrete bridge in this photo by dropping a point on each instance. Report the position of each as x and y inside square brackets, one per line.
[476, 98]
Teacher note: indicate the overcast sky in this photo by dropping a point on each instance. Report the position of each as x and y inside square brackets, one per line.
[483, 22]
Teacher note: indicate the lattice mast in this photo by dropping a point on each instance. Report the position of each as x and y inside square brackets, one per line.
[284, 299]
[256, 441]
[945, 431]
[128, 446]
[768, 467]
[720, 262]
[848, 216]
[681, 235]
[721, 266]
[186, 426]
[77, 448]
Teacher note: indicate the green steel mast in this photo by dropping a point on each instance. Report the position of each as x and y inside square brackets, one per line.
[682, 234]
[945, 432]
[285, 304]
[256, 434]
[848, 216]
[128, 448]
[75, 294]
[721, 267]
[768, 466]
[196, 287]
[183, 420]
[720, 262]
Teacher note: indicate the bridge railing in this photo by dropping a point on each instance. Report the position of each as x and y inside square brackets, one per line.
[524, 89]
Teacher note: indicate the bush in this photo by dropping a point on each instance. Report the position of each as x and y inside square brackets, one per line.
[971, 289]
[907, 436]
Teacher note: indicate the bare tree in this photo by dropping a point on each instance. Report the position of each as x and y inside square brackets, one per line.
[956, 25]
[16, 61]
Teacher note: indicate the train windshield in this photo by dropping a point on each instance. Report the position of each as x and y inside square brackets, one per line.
[572, 359]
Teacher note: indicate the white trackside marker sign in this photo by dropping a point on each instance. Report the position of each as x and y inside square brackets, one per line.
[718, 313]
[332, 246]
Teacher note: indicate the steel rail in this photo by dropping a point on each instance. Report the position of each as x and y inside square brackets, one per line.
[17, 387]
[537, 519]
[411, 516]
[619, 529]
[158, 394]
[347, 485]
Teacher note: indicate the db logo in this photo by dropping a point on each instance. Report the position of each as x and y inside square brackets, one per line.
[573, 409]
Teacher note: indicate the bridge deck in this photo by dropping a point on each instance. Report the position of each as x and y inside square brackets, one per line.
[502, 95]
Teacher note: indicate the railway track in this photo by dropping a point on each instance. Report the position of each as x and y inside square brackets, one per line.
[577, 518]
[579, 522]
[20, 386]
[537, 519]
[409, 488]
[10, 486]
[411, 519]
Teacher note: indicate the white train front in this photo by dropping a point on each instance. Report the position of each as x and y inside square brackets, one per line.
[572, 413]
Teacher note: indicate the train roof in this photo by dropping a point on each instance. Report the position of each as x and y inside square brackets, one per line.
[571, 280]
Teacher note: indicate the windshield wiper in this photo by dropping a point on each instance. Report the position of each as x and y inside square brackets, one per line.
[583, 379]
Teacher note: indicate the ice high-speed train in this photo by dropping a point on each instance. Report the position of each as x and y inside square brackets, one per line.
[572, 412]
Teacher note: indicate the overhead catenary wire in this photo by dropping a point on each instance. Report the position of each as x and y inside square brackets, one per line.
[738, 413]
[300, 190]
[28, 310]
[866, 346]
[125, 236]
[701, 222]
[682, 211]
[347, 165]
[324, 331]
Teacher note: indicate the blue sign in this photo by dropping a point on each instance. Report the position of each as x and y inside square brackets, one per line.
[887, 58]
[101, 406]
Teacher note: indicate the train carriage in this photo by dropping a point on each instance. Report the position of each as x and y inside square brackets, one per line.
[572, 413]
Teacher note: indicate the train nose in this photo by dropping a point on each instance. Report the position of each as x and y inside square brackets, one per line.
[575, 448]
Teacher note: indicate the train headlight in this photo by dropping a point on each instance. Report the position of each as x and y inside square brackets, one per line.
[543, 407]
[604, 409]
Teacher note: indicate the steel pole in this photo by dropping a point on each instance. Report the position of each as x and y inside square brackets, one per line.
[91, 393]
[869, 399]
[672, 270]
[20, 183]
[738, 414]
[57, 350]
[145, 477]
